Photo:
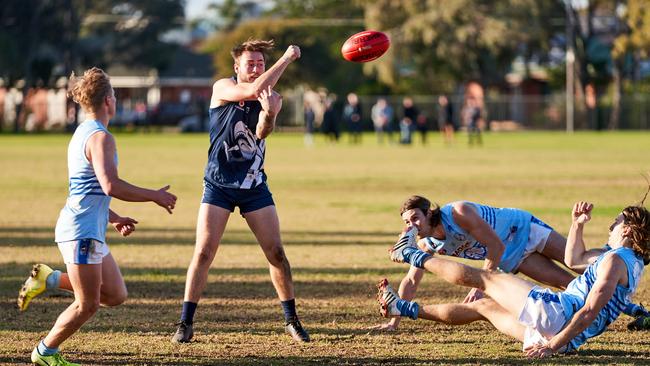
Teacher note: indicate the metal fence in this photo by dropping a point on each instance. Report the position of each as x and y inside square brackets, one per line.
[537, 112]
[501, 112]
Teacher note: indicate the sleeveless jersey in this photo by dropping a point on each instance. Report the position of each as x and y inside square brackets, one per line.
[236, 155]
[85, 214]
[573, 298]
[510, 224]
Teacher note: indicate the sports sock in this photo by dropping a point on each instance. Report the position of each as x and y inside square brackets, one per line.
[44, 350]
[289, 307]
[187, 315]
[415, 257]
[407, 308]
[52, 281]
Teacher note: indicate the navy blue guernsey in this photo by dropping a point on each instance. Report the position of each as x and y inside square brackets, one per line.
[236, 155]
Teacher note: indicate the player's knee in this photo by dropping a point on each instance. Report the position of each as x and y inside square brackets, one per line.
[116, 299]
[205, 256]
[276, 255]
[86, 309]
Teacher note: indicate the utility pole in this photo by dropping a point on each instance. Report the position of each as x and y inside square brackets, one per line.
[570, 60]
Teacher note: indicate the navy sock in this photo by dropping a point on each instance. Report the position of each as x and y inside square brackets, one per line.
[187, 315]
[289, 308]
[408, 308]
[44, 350]
[415, 257]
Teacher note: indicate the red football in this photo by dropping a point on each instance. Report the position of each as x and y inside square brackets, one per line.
[365, 46]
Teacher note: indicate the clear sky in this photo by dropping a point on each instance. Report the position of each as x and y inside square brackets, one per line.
[194, 8]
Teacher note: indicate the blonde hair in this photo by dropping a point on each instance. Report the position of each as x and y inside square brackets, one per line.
[90, 89]
[253, 45]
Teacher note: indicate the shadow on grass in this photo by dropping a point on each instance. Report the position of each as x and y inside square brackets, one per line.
[44, 236]
[116, 358]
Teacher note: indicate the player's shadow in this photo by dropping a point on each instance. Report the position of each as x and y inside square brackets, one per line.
[44, 236]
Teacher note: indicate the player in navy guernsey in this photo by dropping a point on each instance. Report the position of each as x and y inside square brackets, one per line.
[545, 321]
[242, 114]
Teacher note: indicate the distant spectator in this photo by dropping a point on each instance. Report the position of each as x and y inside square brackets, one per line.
[422, 126]
[473, 121]
[382, 117]
[310, 117]
[352, 118]
[472, 113]
[330, 126]
[407, 124]
[446, 119]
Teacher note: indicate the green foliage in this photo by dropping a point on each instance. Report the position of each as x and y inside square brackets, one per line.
[70, 34]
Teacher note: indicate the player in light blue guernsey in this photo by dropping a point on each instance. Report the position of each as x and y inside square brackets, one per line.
[547, 322]
[508, 239]
[92, 273]
[242, 114]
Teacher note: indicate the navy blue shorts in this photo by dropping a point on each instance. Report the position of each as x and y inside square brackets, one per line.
[246, 199]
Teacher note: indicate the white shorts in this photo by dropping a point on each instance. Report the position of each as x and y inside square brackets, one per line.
[536, 239]
[543, 317]
[83, 251]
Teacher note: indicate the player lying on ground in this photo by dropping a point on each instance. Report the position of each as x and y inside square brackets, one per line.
[546, 322]
[509, 239]
[93, 275]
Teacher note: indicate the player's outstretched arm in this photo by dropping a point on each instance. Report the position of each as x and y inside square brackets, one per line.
[576, 256]
[100, 151]
[468, 219]
[226, 90]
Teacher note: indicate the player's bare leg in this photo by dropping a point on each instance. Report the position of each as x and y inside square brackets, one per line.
[211, 223]
[266, 226]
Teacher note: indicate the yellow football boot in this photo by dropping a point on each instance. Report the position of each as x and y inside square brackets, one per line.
[34, 285]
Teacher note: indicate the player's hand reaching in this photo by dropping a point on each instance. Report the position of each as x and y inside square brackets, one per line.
[292, 53]
[384, 327]
[473, 295]
[124, 225]
[582, 212]
[165, 199]
[538, 351]
[271, 101]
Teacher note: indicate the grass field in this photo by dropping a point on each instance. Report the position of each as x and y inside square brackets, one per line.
[338, 207]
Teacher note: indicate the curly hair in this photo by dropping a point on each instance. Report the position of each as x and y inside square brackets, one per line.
[90, 89]
[637, 219]
[424, 205]
[253, 45]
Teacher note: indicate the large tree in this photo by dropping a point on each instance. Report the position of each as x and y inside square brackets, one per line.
[39, 36]
[438, 42]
